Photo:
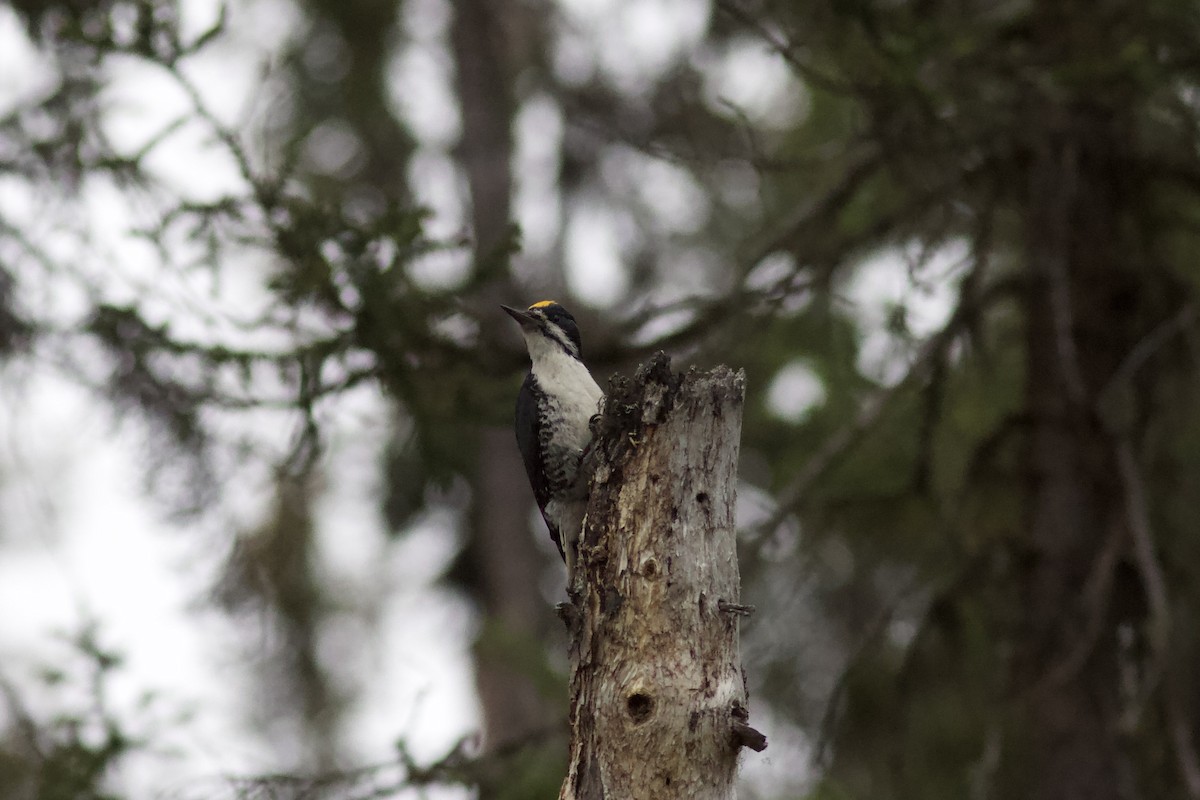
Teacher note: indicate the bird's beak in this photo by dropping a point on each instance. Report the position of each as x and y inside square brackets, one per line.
[523, 318]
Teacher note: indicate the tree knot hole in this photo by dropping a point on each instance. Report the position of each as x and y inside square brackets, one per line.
[702, 498]
[650, 569]
[640, 707]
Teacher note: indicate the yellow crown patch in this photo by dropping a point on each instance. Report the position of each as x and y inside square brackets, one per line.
[542, 304]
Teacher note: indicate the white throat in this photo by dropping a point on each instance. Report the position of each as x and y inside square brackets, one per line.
[563, 377]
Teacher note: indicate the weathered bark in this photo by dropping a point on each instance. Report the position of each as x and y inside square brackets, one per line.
[658, 697]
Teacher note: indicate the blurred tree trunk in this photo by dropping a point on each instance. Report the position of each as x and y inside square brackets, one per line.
[1070, 514]
[505, 565]
[658, 697]
[1084, 303]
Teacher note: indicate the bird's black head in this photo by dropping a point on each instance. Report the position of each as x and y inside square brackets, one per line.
[552, 321]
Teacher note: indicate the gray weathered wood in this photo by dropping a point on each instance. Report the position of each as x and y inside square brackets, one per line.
[658, 698]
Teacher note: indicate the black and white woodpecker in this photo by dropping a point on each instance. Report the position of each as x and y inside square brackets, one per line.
[554, 409]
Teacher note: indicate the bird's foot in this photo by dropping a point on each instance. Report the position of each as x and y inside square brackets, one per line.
[568, 612]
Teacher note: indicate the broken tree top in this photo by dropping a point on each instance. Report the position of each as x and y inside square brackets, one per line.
[633, 404]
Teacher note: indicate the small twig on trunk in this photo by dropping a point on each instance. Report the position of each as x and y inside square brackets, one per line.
[735, 608]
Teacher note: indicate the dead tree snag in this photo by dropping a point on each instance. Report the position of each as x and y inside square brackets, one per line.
[658, 698]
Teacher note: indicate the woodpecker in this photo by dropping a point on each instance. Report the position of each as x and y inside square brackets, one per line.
[554, 408]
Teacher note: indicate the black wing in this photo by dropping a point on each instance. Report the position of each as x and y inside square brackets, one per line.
[529, 432]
